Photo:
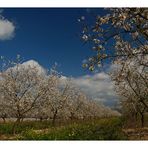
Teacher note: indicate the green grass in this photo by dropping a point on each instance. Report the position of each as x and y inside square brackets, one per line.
[6, 128]
[99, 129]
[103, 129]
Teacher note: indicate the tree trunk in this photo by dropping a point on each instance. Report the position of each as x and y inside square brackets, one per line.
[136, 115]
[41, 119]
[16, 123]
[18, 120]
[142, 120]
[72, 117]
[4, 120]
[54, 117]
[136, 119]
[22, 119]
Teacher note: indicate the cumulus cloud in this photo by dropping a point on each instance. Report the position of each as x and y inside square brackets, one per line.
[7, 29]
[98, 86]
[34, 64]
[30, 64]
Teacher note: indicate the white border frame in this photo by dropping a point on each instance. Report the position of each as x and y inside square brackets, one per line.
[73, 3]
[74, 144]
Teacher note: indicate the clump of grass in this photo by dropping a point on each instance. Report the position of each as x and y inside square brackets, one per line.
[7, 128]
[104, 129]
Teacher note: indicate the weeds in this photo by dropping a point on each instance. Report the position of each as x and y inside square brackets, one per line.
[103, 129]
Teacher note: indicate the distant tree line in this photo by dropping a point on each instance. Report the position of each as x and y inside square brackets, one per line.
[29, 92]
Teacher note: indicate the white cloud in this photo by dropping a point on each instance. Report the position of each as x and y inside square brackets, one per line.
[7, 29]
[98, 86]
[30, 64]
[34, 64]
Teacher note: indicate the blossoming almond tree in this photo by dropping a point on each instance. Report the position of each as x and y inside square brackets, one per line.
[132, 85]
[121, 33]
[120, 37]
[21, 87]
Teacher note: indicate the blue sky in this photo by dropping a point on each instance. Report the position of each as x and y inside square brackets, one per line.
[48, 36]
[52, 35]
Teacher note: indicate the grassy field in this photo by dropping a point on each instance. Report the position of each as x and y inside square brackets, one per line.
[100, 129]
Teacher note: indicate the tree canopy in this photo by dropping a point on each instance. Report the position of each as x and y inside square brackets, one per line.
[119, 35]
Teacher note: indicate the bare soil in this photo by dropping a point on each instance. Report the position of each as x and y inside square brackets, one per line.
[137, 133]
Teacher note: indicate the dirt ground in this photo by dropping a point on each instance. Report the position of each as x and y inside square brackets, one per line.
[137, 133]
